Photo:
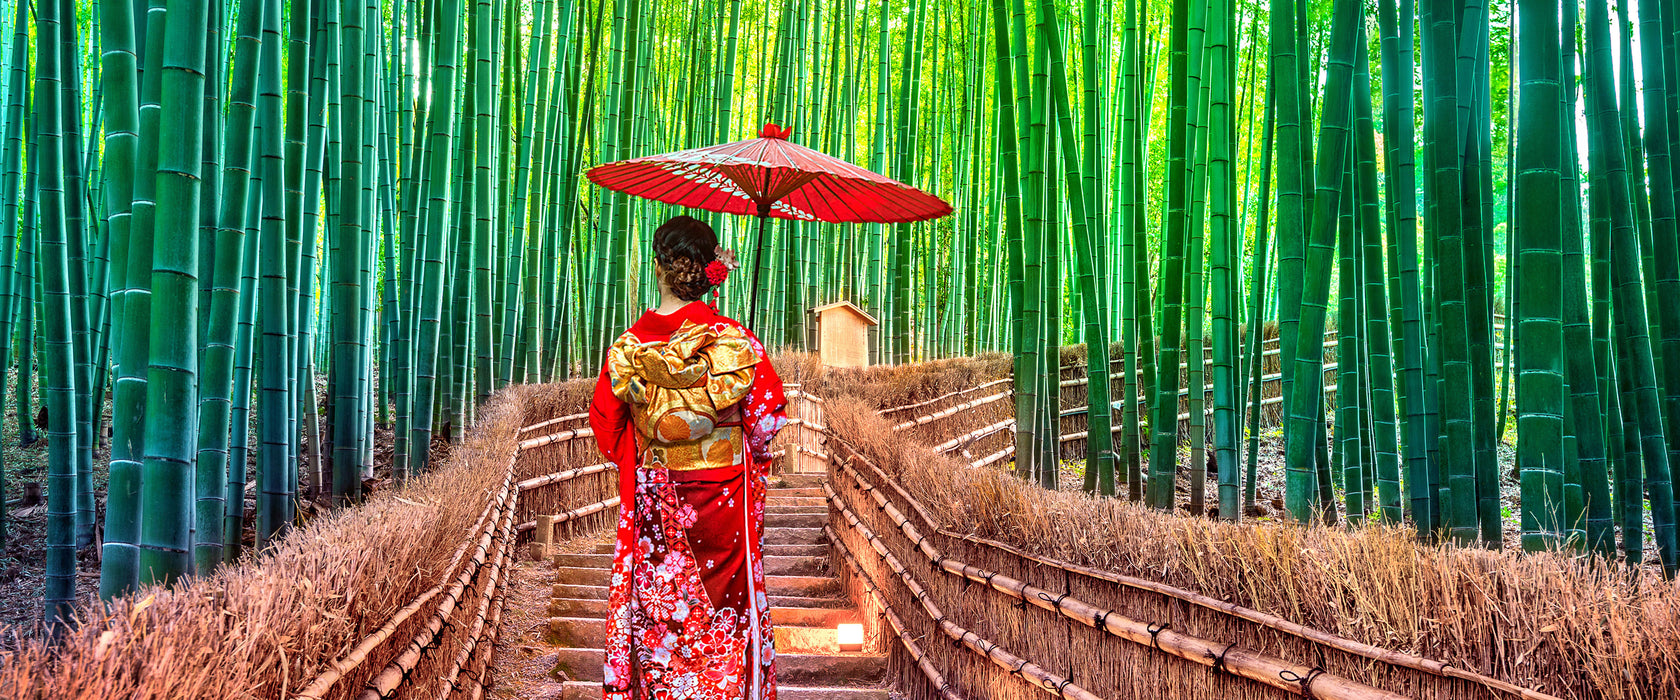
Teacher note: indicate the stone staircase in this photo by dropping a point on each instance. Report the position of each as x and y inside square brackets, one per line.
[805, 599]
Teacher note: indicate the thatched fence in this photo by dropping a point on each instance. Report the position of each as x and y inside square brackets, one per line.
[937, 546]
[402, 595]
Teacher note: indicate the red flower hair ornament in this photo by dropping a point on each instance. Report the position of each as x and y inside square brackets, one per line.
[717, 271]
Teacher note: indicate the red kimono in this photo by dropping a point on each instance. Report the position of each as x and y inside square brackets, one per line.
[686, 406]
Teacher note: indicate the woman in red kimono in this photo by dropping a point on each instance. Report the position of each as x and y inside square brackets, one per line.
[686, 406]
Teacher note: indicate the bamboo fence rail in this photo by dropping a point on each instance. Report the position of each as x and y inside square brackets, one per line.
[954, 410]
[937, 399]
[571, 515]
[1037, 675]
[475, 583]
[552, 421]
[554, 438]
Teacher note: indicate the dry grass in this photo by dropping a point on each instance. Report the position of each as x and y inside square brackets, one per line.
[1574, 627]
[265, 627]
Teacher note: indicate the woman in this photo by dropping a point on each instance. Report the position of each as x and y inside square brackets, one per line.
[686, 407]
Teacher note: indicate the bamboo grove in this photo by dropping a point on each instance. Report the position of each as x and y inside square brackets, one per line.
[241, 235]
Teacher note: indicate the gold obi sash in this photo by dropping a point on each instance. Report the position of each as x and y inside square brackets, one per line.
[683, 394]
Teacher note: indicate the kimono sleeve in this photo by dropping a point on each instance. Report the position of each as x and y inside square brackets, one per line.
[609, 417]
[765, 407]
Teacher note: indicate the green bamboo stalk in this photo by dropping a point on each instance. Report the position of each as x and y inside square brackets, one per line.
[1636, 367]
[58, 389]
[218, 359]
[167, 474]
[1306, 407]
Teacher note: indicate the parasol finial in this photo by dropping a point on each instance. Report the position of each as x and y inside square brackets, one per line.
[773, 131]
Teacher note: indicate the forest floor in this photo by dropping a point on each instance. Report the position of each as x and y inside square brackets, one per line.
[23, 555]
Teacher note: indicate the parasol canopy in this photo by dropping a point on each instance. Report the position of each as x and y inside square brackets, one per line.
[770, 176]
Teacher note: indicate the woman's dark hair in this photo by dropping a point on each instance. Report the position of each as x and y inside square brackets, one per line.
[684, 246]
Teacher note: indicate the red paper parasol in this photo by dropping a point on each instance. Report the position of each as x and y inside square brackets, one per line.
[770, 177]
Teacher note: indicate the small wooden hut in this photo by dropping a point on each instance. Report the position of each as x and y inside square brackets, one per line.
[843, 334]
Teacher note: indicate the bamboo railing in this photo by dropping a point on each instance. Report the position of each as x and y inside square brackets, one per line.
[1228, 658]
[466, 605]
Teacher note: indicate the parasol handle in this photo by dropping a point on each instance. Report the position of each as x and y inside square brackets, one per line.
[758, 266]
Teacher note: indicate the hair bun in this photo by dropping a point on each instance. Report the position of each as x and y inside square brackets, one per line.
[686, 247]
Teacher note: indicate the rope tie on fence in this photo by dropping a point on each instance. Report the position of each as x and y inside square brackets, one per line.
[936, 561]
[1305, 681]
[1060, 688]
[1155, 633]
[1018, 667]
[1056, 603]
[1101, 619]
[1219, 661]
[989, 576]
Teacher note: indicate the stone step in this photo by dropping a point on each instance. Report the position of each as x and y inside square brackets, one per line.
[805, 491]
[781, 613]
[797, 480]
[809, 586]
[774, 501]
[773, 565]
[571, 591]
[776, 510]
[591, 632]
[852, 669]
[796, 550]
[770, 550]
[772, 521]
[793, 535]
[589, 690]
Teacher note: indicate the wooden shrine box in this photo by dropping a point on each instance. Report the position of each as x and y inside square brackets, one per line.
[843, 334]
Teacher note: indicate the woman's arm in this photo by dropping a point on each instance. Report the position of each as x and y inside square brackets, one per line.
[765, 408]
